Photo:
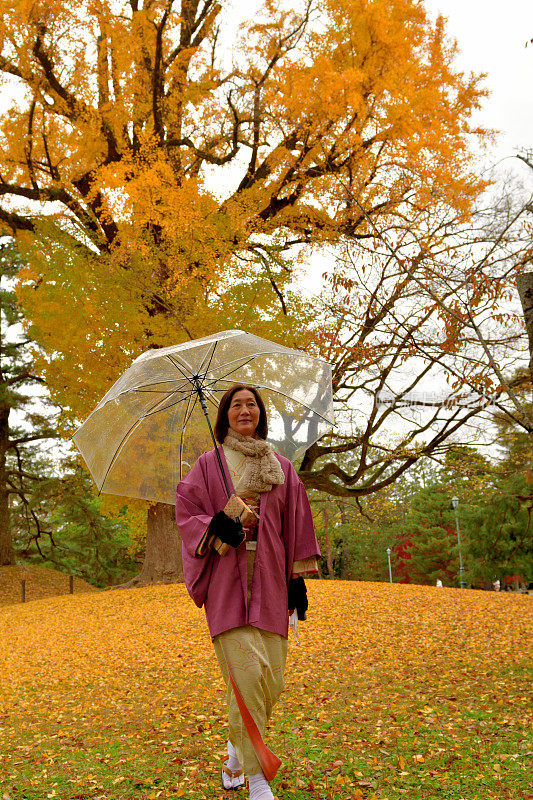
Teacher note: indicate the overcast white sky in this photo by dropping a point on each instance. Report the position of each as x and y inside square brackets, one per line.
[492, 39]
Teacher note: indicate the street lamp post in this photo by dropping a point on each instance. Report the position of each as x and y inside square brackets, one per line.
[390, 568]
[455, 504]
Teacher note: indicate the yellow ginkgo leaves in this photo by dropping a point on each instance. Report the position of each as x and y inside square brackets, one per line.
[393, 691]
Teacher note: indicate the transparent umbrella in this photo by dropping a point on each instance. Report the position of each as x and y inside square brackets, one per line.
[151, 426]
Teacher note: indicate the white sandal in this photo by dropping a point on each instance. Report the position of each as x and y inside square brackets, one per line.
[232, 780]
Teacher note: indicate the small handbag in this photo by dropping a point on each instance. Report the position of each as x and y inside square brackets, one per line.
[235, 507]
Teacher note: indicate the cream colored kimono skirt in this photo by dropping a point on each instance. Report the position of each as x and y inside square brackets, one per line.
[256, 659]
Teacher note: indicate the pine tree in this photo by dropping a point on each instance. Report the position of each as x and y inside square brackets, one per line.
[430, 538]
[22, 423]
[81, 539]
[500, 532]
[499, 528]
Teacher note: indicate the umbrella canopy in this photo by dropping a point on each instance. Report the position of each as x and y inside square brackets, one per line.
[149, 429]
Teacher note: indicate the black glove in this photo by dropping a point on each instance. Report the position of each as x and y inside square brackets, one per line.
[227, 529]
[298, 597]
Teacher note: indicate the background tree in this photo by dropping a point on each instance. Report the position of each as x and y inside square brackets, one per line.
[422, 324]
[498, 525]
[26, 416]
[125, 138]
[524, 281]
[494, 512]
[84, 537]
[48, 512]
[351, 540]
[130, 112]
[430, 538]
[366, 536]
[416, 379]
[499, 536]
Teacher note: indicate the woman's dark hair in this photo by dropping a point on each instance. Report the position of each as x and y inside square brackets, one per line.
[222, 423]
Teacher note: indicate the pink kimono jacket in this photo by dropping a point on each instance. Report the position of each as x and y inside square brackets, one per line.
[285, 534]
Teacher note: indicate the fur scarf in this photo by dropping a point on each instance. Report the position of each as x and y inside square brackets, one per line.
[262, 470]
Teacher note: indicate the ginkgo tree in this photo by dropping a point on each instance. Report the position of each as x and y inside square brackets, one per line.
[131, 109]
[164, 171]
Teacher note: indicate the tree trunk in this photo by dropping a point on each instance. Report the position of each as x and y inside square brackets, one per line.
[524, 283]
[346, 571]
[162, 560]
[329, 554]
[7, 556]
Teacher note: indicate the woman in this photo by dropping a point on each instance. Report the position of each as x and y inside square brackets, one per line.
[249, 591]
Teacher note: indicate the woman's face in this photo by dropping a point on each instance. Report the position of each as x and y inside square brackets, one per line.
[243, 413]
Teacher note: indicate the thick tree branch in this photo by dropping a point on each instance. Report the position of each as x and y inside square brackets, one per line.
[15, 222]
[74, 107]
[23, 377]
[11, 69]
[29, 145]
[47, 434]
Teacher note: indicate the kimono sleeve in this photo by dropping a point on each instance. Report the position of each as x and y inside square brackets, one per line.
[305, 566]
[193, 514]
[300, 538]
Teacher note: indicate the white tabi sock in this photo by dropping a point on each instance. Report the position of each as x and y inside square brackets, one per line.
[232, 762]
[259, 788]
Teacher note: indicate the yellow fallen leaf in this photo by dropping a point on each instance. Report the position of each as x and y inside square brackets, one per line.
[108, 628]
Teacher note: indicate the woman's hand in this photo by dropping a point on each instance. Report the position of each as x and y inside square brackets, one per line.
[298, 597]
[228, 530]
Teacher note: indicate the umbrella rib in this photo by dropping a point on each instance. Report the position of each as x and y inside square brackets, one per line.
[233, 370]
[144, 386]
[236, 360]
[180, 369]
[156, 383]
[185, 420]
[138, 389]
[165, 408]
[126, 435]
[269, 353]
[288, 396]
[207, 394]
[192, 409]
[152, 391]
[210, 360]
